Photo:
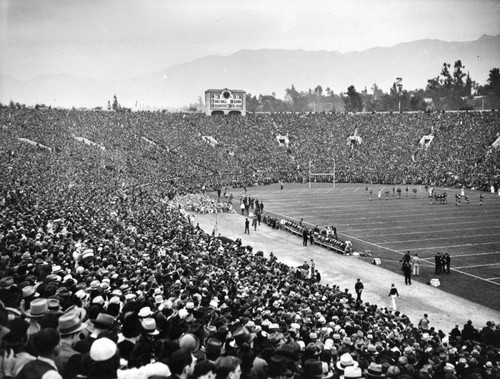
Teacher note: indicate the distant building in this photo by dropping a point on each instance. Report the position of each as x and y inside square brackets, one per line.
[225, 102]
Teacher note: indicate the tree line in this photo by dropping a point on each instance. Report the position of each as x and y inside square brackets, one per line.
[452, 89]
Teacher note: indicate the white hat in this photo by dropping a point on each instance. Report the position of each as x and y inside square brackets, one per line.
[102, 349]
[145, 312]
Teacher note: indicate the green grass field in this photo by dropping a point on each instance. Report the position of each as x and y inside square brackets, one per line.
[470, 233]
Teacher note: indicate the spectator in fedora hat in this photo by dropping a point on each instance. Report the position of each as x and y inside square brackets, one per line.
[213, 349]
[346, 360]
[70, 326]
[38, 309]
[352, 372]
[374, 371]
[49, 319]
[146, 347]
[313, 369]
[242, 336]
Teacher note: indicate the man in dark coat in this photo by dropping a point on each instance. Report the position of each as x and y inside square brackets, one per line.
[46, 343]
[359, 289]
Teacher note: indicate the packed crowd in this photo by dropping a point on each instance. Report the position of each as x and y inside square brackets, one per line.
[104, 273]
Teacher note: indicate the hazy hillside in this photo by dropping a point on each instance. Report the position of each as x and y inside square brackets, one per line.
[264, 72]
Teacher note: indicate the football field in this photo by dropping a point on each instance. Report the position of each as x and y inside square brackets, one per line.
[390, 226]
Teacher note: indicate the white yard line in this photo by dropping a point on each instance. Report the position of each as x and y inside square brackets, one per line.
[442, 238]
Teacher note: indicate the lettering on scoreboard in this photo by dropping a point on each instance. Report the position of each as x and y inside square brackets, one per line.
[226, 99]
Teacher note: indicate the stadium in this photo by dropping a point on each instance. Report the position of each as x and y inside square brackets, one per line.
[134, 223]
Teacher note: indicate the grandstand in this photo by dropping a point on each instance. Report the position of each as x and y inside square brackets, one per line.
[99, 211]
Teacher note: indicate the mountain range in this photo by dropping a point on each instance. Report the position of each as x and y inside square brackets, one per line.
[263, 71]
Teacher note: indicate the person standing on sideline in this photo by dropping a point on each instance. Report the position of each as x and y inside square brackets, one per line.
[242, 207]
[407, 272]
[254, 223]
[393, 293]
[415, 263]
[481, 197]
[437, 263]
[359, 290]
[447, 262]
[406, 259]
[247, 226]
[305, 236]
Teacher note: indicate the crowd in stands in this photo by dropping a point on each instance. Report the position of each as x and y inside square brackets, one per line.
[104, 274]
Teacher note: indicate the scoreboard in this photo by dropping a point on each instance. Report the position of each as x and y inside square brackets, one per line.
[225, 102]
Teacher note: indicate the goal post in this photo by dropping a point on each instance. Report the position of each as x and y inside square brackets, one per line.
[320, 174]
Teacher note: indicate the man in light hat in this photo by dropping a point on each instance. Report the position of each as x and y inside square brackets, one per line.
[374, 371]
[352, 372]
[345, 360]
[70, 326]
[38, 309]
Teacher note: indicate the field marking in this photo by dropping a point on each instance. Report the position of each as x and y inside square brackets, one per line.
[443, 238]
[475, 254]
[375, 214]
[425, 231]
[445, 247]
[485, 265]
[430, 225]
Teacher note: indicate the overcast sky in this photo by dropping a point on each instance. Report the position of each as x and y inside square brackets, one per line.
[124, 38]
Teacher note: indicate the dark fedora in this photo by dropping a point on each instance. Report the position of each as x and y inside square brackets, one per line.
[242, 335]
[199, 330]
[313, 369]
[6, 282]
[214, 348]
[104, 321]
